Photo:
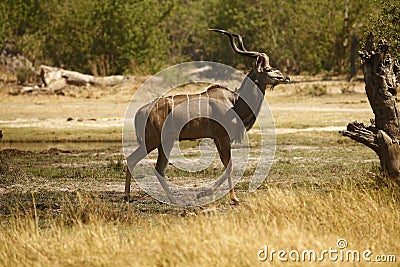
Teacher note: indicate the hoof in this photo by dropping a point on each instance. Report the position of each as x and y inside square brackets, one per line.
[126, 198]
[235, 201]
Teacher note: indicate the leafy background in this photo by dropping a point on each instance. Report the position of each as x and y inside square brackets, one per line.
[105, 37]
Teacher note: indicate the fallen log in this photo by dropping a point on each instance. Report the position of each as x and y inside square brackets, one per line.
[51, 75]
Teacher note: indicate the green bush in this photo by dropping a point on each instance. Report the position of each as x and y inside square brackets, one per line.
[106, 37]
[386, 23]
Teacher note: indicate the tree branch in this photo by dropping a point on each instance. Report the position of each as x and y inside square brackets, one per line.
[361, 134]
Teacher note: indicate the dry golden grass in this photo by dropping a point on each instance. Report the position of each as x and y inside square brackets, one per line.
[319, 189]
[90, 232]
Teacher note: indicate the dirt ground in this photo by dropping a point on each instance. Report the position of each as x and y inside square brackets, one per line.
[94, 107]
[86, 123]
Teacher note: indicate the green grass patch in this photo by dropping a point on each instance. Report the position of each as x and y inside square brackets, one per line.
[28, 134]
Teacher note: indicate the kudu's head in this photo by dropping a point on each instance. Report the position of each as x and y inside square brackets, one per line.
[262, 71]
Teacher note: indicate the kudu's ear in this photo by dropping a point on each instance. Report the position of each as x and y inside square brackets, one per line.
[259, 64]
[262, 62]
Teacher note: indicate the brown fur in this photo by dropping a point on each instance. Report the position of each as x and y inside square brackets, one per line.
[204, 109]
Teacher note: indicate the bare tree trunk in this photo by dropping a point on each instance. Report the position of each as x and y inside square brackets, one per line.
[380, 76]
[353, 57]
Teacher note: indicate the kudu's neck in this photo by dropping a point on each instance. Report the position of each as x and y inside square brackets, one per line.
[251, 95]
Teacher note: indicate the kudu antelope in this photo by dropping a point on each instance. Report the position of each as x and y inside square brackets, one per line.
[245, 101]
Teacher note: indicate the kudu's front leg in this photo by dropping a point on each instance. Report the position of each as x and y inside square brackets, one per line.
[232, 193]
[224, 150]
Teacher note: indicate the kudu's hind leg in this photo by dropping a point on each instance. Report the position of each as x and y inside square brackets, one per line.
[161, 166]
[131, 162]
